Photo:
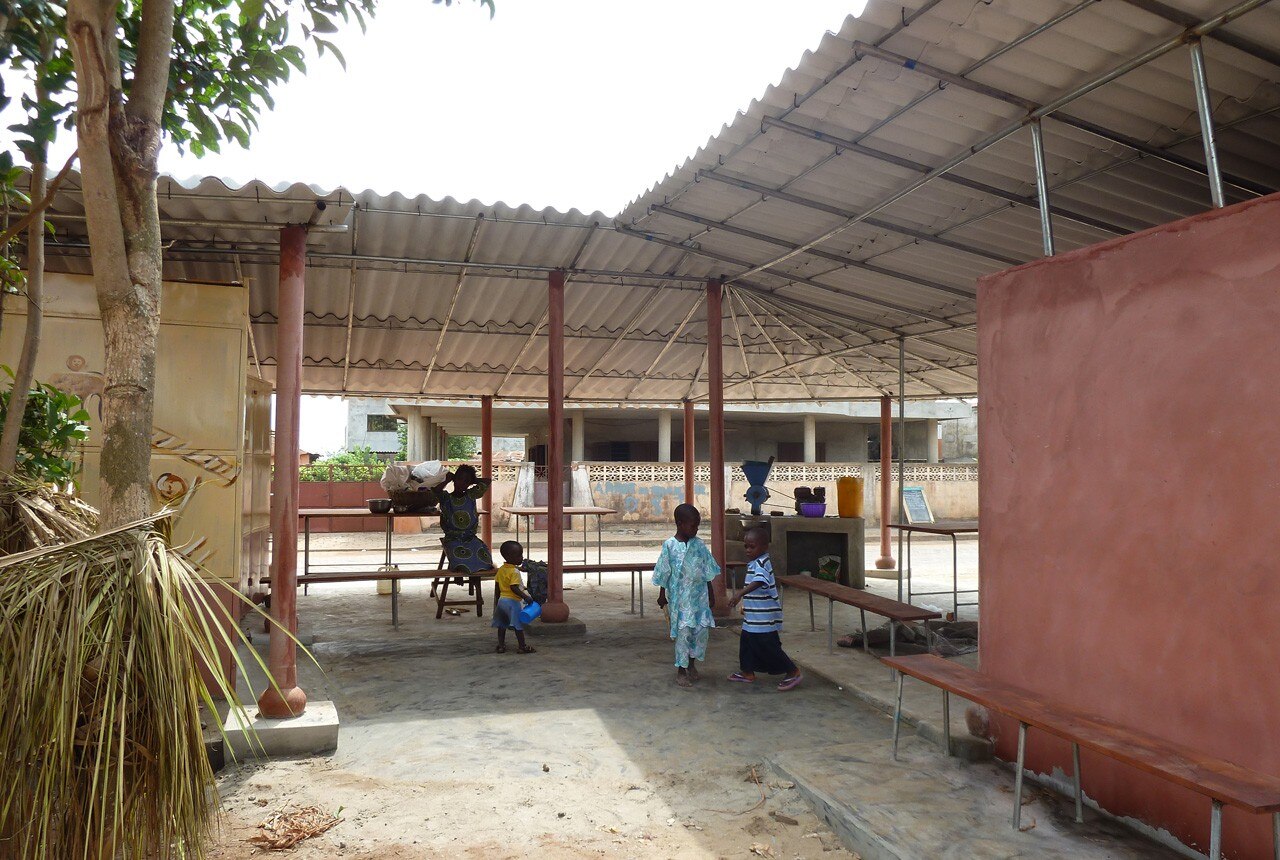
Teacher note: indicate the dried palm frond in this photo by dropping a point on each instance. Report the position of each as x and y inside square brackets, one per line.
[34, 515]
[101, 644]
[284, 829]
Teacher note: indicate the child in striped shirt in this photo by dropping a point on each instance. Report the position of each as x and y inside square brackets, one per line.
[759, 648]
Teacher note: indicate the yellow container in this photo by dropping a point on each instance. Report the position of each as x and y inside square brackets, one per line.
[849, 496]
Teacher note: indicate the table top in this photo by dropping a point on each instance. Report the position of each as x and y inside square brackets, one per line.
[364, 512]
[541, 510]
[959, 527]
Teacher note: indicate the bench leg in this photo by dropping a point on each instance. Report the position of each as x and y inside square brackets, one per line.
[633, 592]
[812, 624]
[475, 583]
[831, 626]
[640, 576]
[893, 637]
[1215, 832]
[897, 718]
[946, 720]
[866, 649]
[444, 593]
[1017, 777]
[1075, 766]
[1275, 834]
[395, 604]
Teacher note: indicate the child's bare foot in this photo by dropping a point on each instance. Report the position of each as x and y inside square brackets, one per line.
[502, 649]
[693, 673]
[682, 679]
[526, 649]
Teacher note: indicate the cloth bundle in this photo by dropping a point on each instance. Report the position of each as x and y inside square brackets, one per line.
[430, 475]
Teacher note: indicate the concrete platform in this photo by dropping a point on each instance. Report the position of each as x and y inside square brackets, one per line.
[569, 628]
[928, 807]
[315, 732]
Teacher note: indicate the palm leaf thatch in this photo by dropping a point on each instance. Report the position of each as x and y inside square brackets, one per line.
[35, 514]
[102, 641]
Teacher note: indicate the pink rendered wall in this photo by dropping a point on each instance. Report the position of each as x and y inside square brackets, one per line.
[1130, 501]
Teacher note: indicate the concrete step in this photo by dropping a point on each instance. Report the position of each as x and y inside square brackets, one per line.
[926, 806]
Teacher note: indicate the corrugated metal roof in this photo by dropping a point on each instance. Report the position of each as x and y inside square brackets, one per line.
[819, 291]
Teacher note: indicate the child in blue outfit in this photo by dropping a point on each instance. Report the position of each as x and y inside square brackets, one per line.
[511, 598]
[683, 573]
[760, 648]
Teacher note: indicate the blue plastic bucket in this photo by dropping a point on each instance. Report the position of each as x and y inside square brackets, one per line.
[530, 612]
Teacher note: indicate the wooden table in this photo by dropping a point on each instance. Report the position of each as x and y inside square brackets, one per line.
[528, 512]
[864, 601]
[636, 569]
[959, 527]
[308, 514]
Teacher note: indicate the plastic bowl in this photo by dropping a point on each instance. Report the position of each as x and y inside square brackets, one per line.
[379, 506]
[813, 509]
[530, 612]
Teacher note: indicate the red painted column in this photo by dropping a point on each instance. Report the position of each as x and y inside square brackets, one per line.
[282, 659]
[715, 397]
[690, 440]
[556, 609]
[885, 561]
[486, 463]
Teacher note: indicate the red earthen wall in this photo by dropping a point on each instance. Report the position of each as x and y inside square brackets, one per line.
[1130, 554]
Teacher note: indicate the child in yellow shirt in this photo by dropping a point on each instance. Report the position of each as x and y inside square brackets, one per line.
[511, 598]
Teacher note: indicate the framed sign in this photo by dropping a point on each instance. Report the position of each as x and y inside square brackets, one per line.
[916, 506]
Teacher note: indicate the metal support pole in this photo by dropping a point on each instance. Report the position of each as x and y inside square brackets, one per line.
[283, 698]
[715, 401]
[1215, 831]
[897, 717]
[1275, 834]
[1075, 768]
[690, 440]
[831, 626]
[556, 610]
[1017, 778]
[1042, 187]
[902, 450]
[866, 648]
[1205, 108]
[486, 462]
[813, 624]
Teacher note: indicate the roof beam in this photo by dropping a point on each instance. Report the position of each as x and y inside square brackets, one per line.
[769, 339]
[841, 143]
[453, 302]
[1030, 106]
[723, 258]
[815, 252]
[1183, 19]
[697, 303]
[1241, 8]
[742, 350]
[351, 299]
[780, 194]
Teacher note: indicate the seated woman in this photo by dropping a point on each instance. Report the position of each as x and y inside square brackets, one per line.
[458, 519]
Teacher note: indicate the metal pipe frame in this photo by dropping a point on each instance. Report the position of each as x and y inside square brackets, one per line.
[1075, 771]
[902, 451]
[742, 350]
[1183, 19]
[1200, 80]
[453, 301]
[715, 420]
[1042, 187]
[808, 392]
[555, 610]
[486, 460]
[1017, 776]
[690, 440]
[1124, 68]
[351, 302]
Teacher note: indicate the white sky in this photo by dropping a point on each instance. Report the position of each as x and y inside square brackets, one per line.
[562, 103]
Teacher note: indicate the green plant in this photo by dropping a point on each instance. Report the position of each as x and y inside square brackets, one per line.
[462, 447]
[102, 641]
[53, 423]
[359, 464]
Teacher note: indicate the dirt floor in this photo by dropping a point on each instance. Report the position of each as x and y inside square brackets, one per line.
[584, 749]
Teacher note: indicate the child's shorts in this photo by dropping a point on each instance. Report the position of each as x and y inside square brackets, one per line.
[507, 613]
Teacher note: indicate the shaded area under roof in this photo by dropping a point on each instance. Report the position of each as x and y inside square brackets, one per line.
[824, 205]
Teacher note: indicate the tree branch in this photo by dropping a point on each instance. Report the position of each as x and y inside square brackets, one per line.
[36, 210]
[151, 72]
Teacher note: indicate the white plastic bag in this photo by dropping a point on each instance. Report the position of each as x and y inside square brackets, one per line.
[395, 478]
[430, 474]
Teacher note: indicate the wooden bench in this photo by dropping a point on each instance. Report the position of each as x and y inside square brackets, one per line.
[865, 601]
[1220, 781]
[636, 569]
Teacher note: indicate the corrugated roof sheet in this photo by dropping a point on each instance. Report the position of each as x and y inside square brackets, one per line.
[865, 115]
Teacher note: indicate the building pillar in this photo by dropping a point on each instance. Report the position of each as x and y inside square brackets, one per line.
[664, 436]
[284, 698]
[715, 399]
[885, 561]
[410, 435]
[486, 463]
[444, 444]
[931, 440]
[690, 448]
[556, 610]
[810, 439]
[428, 432]
[579, 447]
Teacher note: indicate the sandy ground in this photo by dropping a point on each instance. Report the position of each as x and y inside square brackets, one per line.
[584, 749]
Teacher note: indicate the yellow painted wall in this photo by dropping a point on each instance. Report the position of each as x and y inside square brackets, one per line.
[200, 396]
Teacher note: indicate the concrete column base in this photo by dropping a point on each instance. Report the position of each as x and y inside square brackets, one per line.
[555, 612]
[315, 731]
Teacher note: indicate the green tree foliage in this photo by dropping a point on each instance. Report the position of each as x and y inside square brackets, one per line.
[52, 425]
[360, 464]
[463, 447]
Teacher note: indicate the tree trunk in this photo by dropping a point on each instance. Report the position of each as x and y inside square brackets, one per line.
[119, 145]
[35, 320]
